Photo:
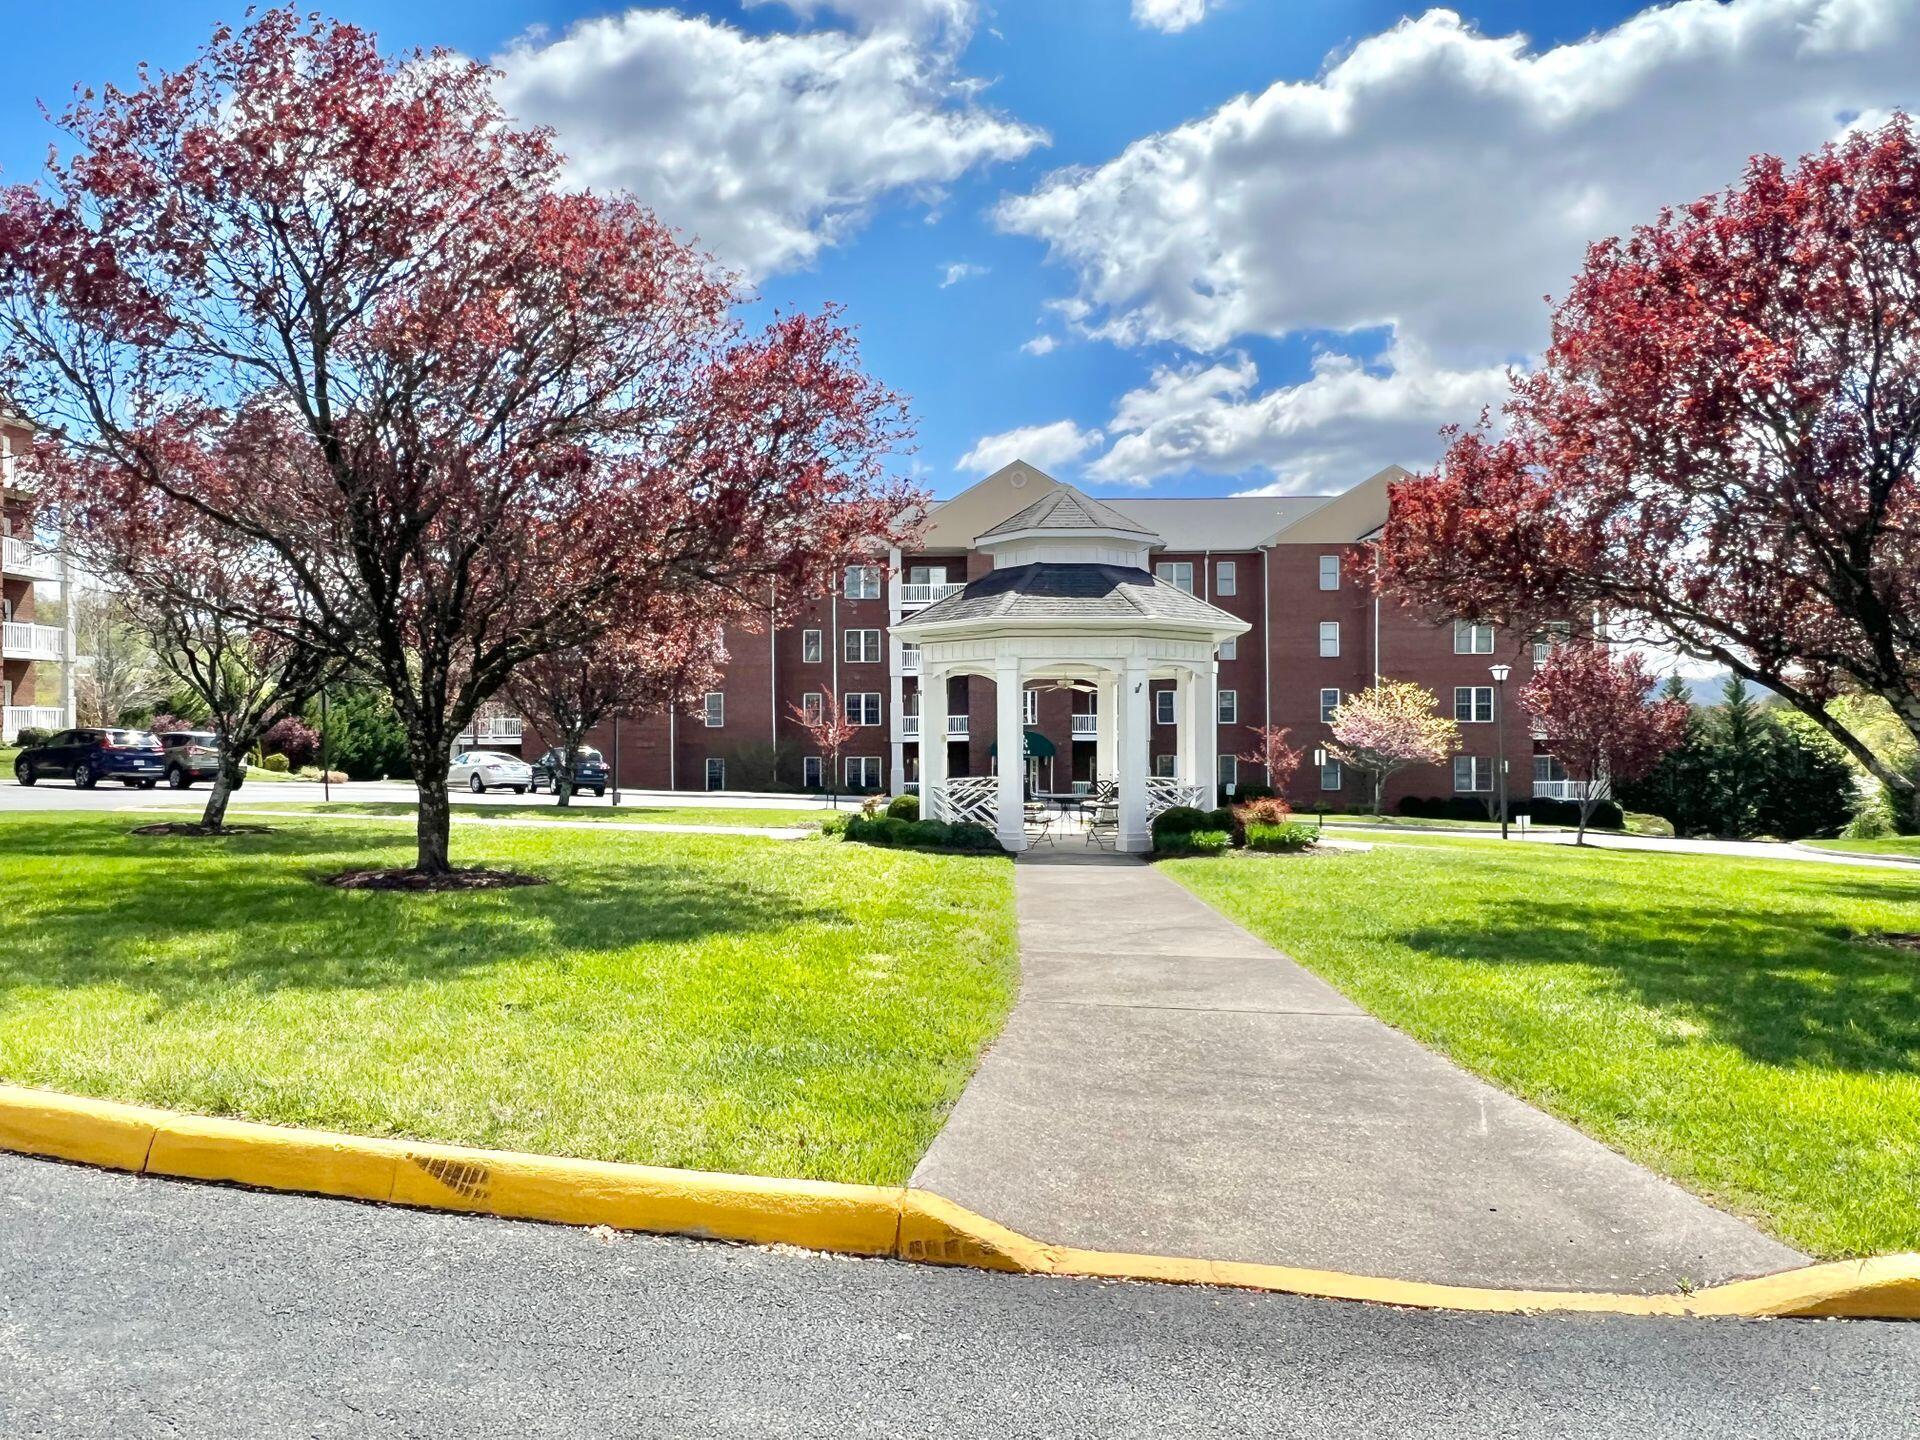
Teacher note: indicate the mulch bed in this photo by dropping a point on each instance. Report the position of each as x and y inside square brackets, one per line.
[415, 881]
[1899, 939]
[198, 831]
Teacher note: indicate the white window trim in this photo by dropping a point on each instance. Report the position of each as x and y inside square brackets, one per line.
[1329, 633]
[864, 762]
[1326, 708]
[716, 765]
[1473, 694]
[1030, 707]
[855, 649]
[812, 651]
[1165, 709]
[1229, 648]
[1323, 572]
[1339, 774]
[712, 704]
[813, 772]
[1469, 631]
[813, 705]
[1174, 572]
[1228, 707]
[855, 705]
[1474, 764]
[1228, 770]
[1226, 578]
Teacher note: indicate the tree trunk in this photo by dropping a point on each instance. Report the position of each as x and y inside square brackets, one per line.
[215, 814]
[563, 782]
[435, 821]
[1586, 809]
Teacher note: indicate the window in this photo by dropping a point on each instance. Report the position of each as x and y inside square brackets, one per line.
[863, 707]
[862, 647]
[1473, 704]
[1329, 639]
[716, 773]
[810, 649]
[1030, 707]
[715, 712]
[813, 706]
[1329, 572]
[810, 773]
[1163, 707]
[1176, 572]
[1229, 707]
[1471, 637]
[1230, 648]
[1331, 777]
[1553, 634]
[1226, 578]
[1471, 773]
[1163, 766]
[862, 771]
[863, 582]
[1229, 770]
[1329, 702]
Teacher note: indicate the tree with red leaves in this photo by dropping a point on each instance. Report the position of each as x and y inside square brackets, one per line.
[1597, 713]
[646, 663]
[829, 728]
[1274, 755]
[1719, 449]
[1382, 730]
[472, 416]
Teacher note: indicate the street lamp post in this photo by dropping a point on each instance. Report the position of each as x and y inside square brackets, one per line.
[1320, 804]
[1500, 673]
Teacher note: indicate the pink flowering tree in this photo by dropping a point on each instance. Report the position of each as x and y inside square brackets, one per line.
[1600, 719]
[1274, 755]
[1383, 730]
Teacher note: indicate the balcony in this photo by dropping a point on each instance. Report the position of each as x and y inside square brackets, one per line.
[909, 727]
[917, 597]
[956, 727]
[22, 640]
[1558, 790]
[15, 718]
[909, 659]
[24, 561]
[1086, 727]
[494, 730]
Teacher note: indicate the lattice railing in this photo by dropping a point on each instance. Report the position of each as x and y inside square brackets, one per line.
[964, 798]
[1163, 794]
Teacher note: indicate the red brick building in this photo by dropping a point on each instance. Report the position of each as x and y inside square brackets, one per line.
[1283, 564]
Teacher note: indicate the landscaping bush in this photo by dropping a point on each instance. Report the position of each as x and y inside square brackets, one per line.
[1246, 794]
[893, 832]
[905, 807]
[1416, 806]
[1225, 819]
[276, 763]
[1288, 836]
[1193, 842]
[834, 824]
[873, 805]
[1177, 820]
[294, 738]
[969, 836]
[1873, 820]
[1268, 810]
[1638, 824]
[31, 735]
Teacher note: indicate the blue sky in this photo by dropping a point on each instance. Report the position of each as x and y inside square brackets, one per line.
[1331, 236]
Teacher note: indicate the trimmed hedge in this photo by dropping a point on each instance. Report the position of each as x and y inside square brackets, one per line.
[276, 763]
[1193, 842]
[905, 807]
[31, 735]
[893, 832]
[1286, 837]
[1177, 820]
[1606, 814]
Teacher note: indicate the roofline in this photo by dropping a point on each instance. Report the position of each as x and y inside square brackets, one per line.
[1229, 625]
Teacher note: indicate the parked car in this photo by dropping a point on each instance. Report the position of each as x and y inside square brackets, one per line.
[87, 756]
[589, 770]
[484, 770]
[191, 755]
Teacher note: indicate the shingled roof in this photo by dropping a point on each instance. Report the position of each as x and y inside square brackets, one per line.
[1068, 509]
[1072, 592]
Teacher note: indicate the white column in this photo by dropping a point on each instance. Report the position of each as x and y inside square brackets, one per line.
[1135, 719]
[1010, 745]
[1107, 707]
[1206, 733]
[933, 737]
[1186, 726]
[897, 751]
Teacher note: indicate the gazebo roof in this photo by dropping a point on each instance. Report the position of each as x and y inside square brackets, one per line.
[1067, 509]
[1072, 591]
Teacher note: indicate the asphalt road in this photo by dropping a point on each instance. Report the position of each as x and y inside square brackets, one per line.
[132, 1308]
[60, 795]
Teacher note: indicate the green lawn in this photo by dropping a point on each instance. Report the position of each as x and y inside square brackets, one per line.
[1908, 845]
[1408, 822]
[1719, 1020]
[734, 1003]
[626, 814]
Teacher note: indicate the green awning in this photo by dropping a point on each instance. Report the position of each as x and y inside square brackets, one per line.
[1037, 745]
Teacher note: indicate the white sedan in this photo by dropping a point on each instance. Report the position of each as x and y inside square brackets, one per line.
[484, 770]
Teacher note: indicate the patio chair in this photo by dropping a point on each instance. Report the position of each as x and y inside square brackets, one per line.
[1103, 826]
[1039, 824]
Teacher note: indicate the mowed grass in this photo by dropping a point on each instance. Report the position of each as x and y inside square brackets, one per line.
[803, 1008]
[1897, 845]
[1726, 1022]
[730, 816]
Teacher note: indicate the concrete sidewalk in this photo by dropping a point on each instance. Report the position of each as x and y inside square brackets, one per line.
[1168, 1083]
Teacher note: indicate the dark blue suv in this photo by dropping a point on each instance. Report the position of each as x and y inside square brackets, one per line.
[86, 757]
[589, 771]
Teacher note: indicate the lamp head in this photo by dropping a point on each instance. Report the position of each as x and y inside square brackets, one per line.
[1500, 673]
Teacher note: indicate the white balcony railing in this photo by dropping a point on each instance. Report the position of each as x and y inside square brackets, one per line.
[494, 730]
[915, 597]
[909, 659]
[26, 561]
[15, 718]
[1086, 727]
[909, 727]
[23, 640]
[1559, 790]
[956, 727]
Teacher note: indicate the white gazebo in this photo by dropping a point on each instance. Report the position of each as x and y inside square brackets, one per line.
[1071, 601]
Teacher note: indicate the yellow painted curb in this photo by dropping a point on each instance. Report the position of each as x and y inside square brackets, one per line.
[872, 1220]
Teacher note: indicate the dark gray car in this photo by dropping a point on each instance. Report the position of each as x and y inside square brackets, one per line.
[192, 755]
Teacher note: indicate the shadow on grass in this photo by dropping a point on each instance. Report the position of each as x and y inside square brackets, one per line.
[1787, 987]
[244, 912]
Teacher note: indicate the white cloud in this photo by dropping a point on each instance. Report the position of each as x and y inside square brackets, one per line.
[1041, 345]
[960, 270]
[1342, 423]
[1440, 181]
[1169, 15]
[768, 148]
[1047, 446]
[911, 15]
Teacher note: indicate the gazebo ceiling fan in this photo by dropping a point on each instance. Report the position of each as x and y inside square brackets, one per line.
[1083, 687]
